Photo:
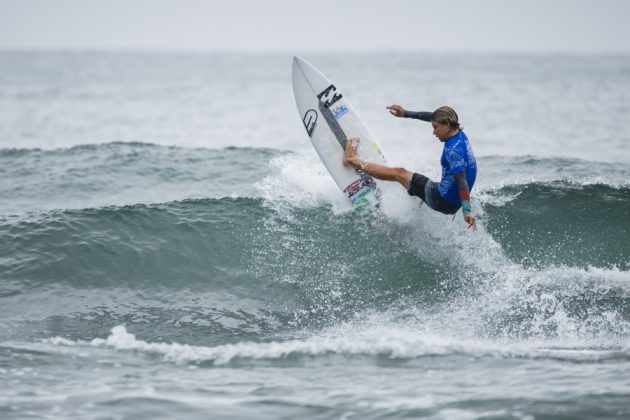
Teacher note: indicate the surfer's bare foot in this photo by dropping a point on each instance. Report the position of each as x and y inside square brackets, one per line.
[350, 157]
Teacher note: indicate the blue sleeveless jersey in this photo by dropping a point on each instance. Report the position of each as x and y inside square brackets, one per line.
[457, 156]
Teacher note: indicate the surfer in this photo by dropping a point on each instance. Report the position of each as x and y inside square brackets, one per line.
[459, 166]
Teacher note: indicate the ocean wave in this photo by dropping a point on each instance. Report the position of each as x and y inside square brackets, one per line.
[124, 173]
[121, 173]
[295, 243]
[545, 225]
[501, 171]
[562, 223]
[328, 263]
[193, 239]
[232, 248]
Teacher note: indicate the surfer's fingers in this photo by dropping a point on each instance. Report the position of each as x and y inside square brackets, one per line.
[396, 110]
[472, 222]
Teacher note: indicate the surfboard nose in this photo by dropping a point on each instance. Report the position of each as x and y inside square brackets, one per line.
[298, 66]
[297, 60]
[294, 67]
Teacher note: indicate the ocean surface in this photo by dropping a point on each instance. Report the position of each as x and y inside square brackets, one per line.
[172, 247]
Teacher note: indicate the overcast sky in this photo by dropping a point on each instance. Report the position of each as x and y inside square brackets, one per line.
[318, 25]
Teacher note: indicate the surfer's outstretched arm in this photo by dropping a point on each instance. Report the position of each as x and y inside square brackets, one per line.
[350, 158]
[399, 111]
[464, 196]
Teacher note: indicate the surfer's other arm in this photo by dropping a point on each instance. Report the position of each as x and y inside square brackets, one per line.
[399, 111]
[464, 195]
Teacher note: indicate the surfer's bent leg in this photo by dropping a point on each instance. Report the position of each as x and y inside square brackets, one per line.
[382, 172]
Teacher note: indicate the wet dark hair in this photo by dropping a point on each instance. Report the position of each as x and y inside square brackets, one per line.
[446, 115]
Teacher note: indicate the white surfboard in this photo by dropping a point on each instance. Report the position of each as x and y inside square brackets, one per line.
[330, 121]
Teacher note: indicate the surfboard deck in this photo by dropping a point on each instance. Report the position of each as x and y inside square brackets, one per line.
[330, 121]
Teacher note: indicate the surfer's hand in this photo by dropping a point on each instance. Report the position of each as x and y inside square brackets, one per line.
[396, 110]
[350, 157]
[470, 219]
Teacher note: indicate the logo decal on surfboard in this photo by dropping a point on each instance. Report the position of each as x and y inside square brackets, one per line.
[310, 120]
[329, 96]
[359, 192]
[340, 111]
[356, 186]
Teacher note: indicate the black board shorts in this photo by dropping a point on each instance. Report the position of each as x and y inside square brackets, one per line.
[427, 190]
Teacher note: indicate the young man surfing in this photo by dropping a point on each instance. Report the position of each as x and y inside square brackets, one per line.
[459, 166]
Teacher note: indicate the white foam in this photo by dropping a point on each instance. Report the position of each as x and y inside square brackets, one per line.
[301, 180]
[488, 197]
[492, 285]
[375, 338]
[491, 289]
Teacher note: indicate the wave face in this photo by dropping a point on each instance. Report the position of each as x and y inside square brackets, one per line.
[223, 249]
[562, 223]
[269, 256]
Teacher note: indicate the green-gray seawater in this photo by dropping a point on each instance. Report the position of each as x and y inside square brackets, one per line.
[152, 278]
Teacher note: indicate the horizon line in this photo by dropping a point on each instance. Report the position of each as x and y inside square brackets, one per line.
[297, 51]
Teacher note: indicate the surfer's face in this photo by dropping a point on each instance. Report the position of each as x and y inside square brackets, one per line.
[441, 131]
